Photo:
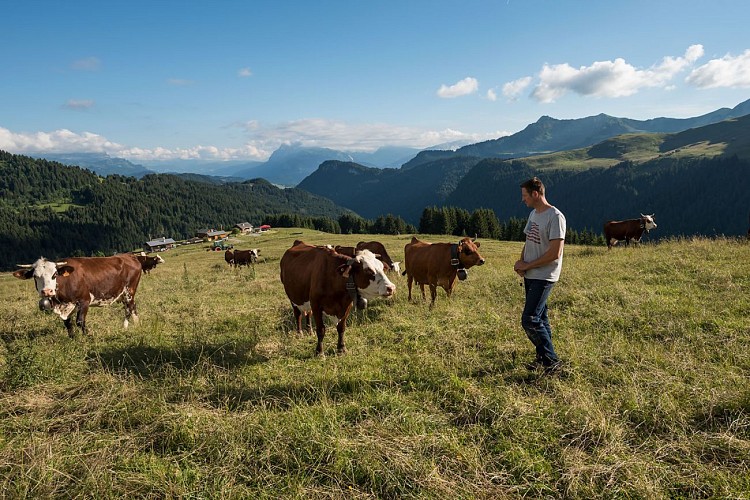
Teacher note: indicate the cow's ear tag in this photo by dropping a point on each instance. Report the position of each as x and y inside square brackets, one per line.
[64, 271]
[344, 270]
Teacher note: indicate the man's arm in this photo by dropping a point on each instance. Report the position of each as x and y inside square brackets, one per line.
[554, 252]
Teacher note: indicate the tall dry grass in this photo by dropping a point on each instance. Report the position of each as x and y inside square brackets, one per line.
[212, 395]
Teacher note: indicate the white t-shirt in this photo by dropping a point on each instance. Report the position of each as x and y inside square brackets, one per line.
[540, 229]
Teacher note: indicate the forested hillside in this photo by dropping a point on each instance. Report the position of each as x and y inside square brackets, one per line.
[689, 196]
[55, 210]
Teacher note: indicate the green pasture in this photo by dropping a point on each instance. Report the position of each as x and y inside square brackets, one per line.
[214, 395]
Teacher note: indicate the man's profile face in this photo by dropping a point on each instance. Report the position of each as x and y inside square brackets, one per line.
[528, 198]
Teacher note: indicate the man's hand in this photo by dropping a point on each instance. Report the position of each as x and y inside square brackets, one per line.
[520, 267]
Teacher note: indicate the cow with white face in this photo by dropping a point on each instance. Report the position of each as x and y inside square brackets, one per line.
[627, 230]
[81, 282]
[319, 280]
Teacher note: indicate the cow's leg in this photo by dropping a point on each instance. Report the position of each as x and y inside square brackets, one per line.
[320, 329]
[297, 318]
[83, 309]
[421, 286]
[409, 280]
[340, 327]
[308, 319]
[69, 326]
[433, 294]
[130, 309]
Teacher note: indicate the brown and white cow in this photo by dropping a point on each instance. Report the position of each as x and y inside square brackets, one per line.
[80, 282]
[376, 248]
[245, 257]
[438, 264]
[631, 229]
[149, 262]
[229, 257]
[319, 280]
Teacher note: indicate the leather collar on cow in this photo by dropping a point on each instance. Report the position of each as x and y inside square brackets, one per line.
[351, 287]
[456, 262]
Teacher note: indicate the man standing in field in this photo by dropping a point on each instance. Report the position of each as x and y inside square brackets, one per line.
[539, 266]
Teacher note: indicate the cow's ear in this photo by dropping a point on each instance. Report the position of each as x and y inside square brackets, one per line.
[24, 274]
[477, 244]
[64, 270]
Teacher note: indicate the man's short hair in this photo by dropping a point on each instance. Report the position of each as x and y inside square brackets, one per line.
[534, 184]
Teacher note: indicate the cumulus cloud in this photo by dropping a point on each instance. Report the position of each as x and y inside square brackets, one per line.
[729, 71]
[491, 95]
[86, 64]
[260, 140]
[466, 86]
[348, 136]
[57, 141]
[512, 90]
[244, 72]
[78, 104]
[615, 78]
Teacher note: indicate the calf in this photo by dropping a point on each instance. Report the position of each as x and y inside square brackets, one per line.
[631, 229]
[80, 282]
[319, 280]
[438, 264]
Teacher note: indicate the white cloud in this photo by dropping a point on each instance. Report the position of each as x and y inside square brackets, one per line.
[349, 137]
[179, 82]
[58, 141]
[244, 72]
[86, 64]
[605, 78]
[728, 71]
[512, 90]
[491, 95]
[261, 140]
[78, 104]
[466, 86]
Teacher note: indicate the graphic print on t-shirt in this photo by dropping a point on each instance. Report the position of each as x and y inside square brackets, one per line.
[533, 234]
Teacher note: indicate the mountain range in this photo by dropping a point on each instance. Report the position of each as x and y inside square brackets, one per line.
[677, 175]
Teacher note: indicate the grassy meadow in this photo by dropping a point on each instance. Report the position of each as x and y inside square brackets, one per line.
[214, 395]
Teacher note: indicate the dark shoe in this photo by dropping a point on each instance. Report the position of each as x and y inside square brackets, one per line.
[534, 365]
[554, 368]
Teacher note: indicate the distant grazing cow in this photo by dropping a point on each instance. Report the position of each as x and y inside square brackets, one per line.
[438, 264]
[245, 257]
[319, 280]
[229, 257]
[148, 262]
[80, 282]
[631, 229]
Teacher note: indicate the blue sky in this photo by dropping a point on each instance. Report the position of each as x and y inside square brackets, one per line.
[164, 80]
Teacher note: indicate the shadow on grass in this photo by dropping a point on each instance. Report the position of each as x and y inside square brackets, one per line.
[150, 362]
[10, 335]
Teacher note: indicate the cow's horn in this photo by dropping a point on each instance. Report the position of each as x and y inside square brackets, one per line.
[61, 263]
[25, 266]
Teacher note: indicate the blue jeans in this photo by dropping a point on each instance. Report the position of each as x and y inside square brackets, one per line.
[535, 321]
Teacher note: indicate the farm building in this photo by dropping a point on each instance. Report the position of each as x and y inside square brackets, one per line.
[159, 245]
[211, 234]
[244, 227]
